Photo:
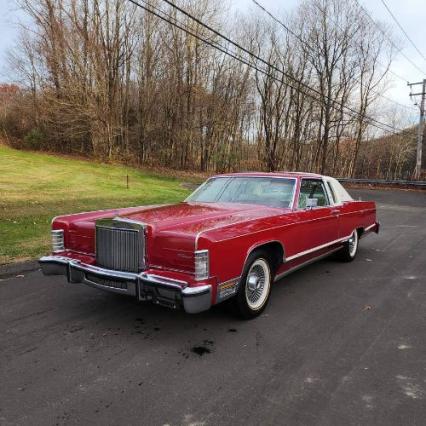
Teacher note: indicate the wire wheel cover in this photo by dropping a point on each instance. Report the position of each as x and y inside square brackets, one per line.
[257, 284]
[353, 244]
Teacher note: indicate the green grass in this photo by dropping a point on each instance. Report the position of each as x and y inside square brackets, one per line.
[35, 187]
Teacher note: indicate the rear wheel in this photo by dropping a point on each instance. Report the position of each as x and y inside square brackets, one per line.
[254, 288]
[350, 248]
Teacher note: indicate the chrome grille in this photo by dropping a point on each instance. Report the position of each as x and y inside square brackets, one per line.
[120, 248]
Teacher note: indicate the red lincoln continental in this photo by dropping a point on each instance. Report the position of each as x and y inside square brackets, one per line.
[232, 238]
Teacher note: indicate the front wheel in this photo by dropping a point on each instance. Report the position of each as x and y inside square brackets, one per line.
[350, 248]
[254, 288]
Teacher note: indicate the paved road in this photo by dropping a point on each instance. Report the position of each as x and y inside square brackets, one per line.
[340, 344]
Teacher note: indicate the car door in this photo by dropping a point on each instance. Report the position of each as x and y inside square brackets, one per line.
[344, 205]
[318, 226]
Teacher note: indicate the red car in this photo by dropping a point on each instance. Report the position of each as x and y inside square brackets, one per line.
[232, 238]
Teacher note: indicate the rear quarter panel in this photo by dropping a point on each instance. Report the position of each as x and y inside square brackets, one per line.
[356, 214]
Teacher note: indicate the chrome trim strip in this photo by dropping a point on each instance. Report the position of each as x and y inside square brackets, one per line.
[57, 259]
[256, 246]
[369, 227]
[129, 221]
[293, 202]
[303, 253]
[194, 291]
[308, 262]
[367, 230]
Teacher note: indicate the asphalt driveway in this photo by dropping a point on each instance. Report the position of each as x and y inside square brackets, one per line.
[340, 344]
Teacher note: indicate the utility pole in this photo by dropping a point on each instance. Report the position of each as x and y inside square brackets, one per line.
[420, 130]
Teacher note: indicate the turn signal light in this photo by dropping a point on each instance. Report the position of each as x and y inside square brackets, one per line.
[58, 240]
[201, 265]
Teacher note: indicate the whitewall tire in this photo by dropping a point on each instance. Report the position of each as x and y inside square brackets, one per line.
[254, 287]
[350, 248]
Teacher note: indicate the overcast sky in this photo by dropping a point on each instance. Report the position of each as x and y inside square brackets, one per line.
[410, 13]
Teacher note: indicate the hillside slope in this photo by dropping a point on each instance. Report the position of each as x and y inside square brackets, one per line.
[35, 187]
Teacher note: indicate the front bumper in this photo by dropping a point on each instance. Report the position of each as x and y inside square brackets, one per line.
[161, 290]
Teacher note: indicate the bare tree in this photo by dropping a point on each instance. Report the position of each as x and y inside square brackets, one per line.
[106, 79]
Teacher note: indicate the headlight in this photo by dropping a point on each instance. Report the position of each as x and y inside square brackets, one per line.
[58, 240]
[201, 264]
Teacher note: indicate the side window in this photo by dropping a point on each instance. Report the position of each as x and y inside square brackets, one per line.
[312, 188]
[331, 192]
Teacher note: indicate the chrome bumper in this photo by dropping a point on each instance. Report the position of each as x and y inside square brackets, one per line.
[160, 290]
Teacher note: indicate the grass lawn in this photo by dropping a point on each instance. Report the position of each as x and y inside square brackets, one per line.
[36, 187]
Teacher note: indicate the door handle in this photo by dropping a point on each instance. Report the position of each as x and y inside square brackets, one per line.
[335, 212]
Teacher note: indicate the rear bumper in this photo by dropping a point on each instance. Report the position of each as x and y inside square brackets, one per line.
[144, 286]
[375, 227]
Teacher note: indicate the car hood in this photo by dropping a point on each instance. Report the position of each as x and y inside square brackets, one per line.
[196, 217]
[172, 230]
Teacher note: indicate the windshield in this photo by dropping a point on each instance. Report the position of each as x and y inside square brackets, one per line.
[274, 192]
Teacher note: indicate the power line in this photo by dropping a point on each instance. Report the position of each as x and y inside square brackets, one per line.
[402, 29]
[148, 8]
[405, 80]
[286, 27]
[282, 24]
[387, 36]
[408, 107]
[390, 71]
[300, 82]
[398, 76]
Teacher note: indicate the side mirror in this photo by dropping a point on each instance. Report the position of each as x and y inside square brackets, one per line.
[311, 202]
